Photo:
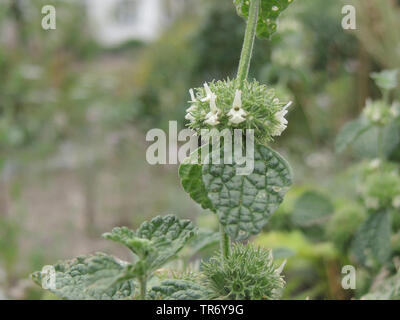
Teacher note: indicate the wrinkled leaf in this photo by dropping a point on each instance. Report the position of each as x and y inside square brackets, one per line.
[95, 277]
[270, 10]
[179, 290]
[192, 182]
[371, 244]
[245, 202]
[156, 241]
[349, 133]
[311, 208]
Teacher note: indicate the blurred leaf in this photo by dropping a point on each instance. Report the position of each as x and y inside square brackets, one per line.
[371, 244]
[267, 17]
[244, 203]
[366, 144]
[311, 208]
[294, 243]
[157, 241]
[178, 290]
[388, 289]
[349, 132]
[386, 80]
[90, 278]
[203, 240]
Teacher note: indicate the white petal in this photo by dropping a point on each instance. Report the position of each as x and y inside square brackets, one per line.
[213, 104]
[280, 269]
[208, 93]
[192, 108]
[192, 96]
[237, 102]
[189, 117]
[236, 119]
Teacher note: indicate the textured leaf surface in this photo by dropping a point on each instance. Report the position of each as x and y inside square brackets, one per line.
[349, 133]
[245, 202]
[90, 278]
[268, 15]
[371, 244]
[156, 241]
[192, 183]
[311, 208]
[179, 290]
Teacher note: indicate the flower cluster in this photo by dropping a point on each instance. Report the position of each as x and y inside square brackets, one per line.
[381, 188]
[380, 113]
[221, 105]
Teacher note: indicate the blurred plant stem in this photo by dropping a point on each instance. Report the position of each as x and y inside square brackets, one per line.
[248, 43]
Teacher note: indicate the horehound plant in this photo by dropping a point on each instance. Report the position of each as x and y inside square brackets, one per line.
[242, 203]
[374, 245]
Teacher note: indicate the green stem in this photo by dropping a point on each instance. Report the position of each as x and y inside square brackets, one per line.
[381, 152]
[143, 287]
[225, 242]
[248, 43]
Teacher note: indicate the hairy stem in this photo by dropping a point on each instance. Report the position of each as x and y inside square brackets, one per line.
[248, 43]
[143, 287]
[225, 242]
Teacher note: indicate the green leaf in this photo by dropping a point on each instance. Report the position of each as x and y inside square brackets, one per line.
[245, 202]
[386, 79]
[156, 241]
[388, 289]
[204, 240]
[179, 290]
[270, 10]
[192, 183]
[90, 277]
[366, 145]
[371, 244]
[349, 133]
[311, 208]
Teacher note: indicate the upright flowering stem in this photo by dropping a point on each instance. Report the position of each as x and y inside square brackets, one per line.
[243, 71]
[143, 287]
[248, 43]
[225, 242]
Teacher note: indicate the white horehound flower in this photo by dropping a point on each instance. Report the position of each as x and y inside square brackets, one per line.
[282, 122]
[237, 114]
[209, 94]
[212, 116]
[189, 116]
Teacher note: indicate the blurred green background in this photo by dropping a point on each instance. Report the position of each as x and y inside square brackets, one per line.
[75, 109]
